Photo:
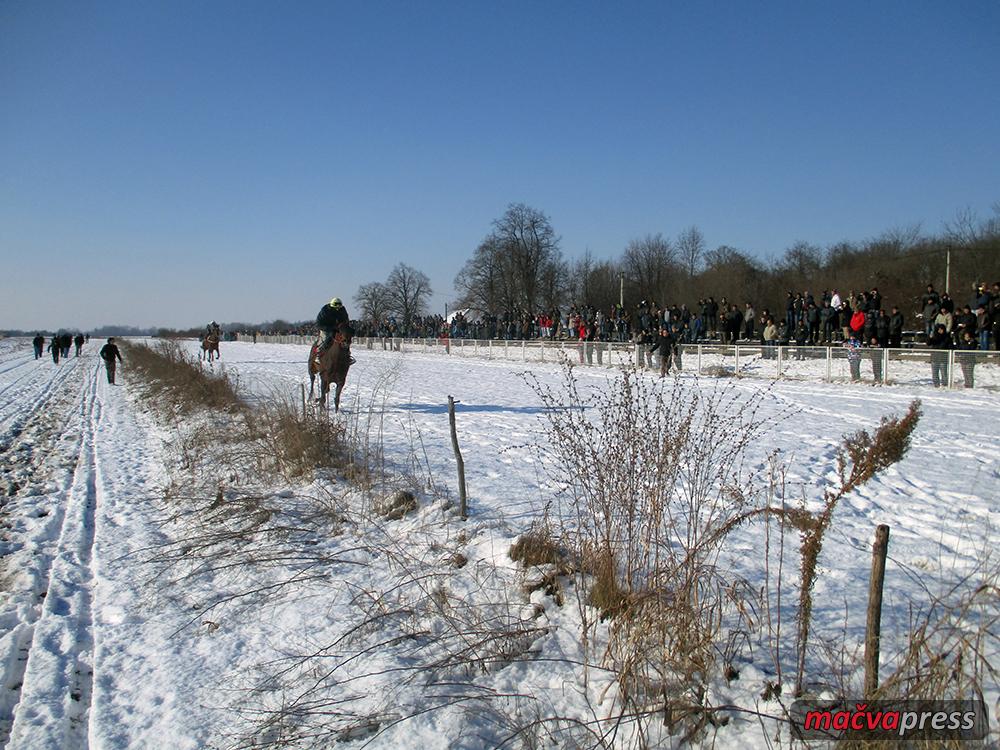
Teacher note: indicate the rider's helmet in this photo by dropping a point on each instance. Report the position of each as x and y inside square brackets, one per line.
[335, 302]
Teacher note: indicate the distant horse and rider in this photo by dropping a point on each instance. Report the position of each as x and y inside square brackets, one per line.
[331, 357]
[209, 347]
[210, 342]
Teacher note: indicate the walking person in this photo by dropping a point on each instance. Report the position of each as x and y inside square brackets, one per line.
[55, 348]
[78, 342]
[39, 343]
[665, 343]
[111, 357]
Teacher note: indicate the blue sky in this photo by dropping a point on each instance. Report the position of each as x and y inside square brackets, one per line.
[173, 162]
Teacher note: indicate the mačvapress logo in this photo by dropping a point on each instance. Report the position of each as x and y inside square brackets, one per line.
[890, 720]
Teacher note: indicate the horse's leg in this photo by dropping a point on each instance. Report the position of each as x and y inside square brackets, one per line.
[336, 396]
[312, 383]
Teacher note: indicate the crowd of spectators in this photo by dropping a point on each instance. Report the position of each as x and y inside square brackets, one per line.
[828, 318]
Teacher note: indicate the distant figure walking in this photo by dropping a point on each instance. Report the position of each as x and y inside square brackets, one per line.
[39, 343]
[110, 353]
[65, 342]
[55, 349]
[78, 342]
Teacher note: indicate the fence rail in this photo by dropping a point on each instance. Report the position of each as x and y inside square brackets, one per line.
[929, 367]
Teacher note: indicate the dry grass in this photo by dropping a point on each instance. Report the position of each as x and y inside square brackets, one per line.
[173, 380]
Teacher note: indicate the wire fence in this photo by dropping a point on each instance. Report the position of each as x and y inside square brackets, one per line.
[922, 367]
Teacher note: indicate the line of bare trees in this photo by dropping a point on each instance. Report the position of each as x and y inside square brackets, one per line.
[520, 266]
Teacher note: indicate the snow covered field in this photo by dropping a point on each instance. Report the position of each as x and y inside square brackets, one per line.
[95, 655]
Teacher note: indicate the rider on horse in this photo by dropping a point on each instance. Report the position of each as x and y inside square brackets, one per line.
[212, 329]
[329, 318]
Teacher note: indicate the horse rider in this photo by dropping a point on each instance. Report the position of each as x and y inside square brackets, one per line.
[212, 329]
[329, 318]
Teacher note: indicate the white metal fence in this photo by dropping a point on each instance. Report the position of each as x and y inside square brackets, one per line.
[947, 368]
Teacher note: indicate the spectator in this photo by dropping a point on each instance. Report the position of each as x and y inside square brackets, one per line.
[980, 305]
[939, 341]
[853, 347]
[896, 322]
[665, 343]
[876, 356]
[748, 322]
[966, 357]
[882, 328]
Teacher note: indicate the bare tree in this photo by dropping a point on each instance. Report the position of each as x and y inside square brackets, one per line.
[408, 290]
[485, 282]
[373, 301]
[518, 265]
[691, 248]
[648, 264]
[531, 248]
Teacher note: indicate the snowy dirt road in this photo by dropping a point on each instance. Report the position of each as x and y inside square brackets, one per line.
[89, 650]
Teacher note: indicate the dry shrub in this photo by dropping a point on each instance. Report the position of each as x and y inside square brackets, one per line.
[537, 547]
[656, 481]
[860, 458]
[293, 444]
[173, 379]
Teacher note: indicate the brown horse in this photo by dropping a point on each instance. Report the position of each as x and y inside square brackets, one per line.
[209, 347]
[332, 366]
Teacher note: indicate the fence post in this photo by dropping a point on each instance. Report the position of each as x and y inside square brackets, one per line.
[951, 368]
[885, 366]
[462, 509]
[736, 368]
[302, 388]
[829, 364]
[524, 355]
[873, 626]
[699, 358]
[779, 358]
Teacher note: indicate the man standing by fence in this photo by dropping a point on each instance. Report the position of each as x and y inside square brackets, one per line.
[111, 357]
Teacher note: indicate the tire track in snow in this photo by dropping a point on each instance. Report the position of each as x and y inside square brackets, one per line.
[14, 424]
[53, 692]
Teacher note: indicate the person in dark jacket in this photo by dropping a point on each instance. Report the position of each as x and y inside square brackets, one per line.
[875, 353]
[111, 356]
[665, 343]
[896, 322]
[881, 328]
[78, 342]
[966, 357]
[965, 320]
[39, 343]
[328, 319]
[55, 348]
[65, 342]
[827, 316]
[939, 341]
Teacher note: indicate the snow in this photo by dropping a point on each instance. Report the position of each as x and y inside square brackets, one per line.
[102, 647]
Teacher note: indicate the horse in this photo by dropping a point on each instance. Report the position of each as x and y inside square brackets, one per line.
[209, 347]
[332, 366]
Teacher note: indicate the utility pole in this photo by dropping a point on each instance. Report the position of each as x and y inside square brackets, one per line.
[621, 289]
[947, 270]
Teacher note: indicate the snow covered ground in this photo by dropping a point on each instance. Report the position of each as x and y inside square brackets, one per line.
[96, 654]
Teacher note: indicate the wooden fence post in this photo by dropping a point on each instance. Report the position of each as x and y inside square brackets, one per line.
[873, 628]
[462, 509]
[302, 388]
